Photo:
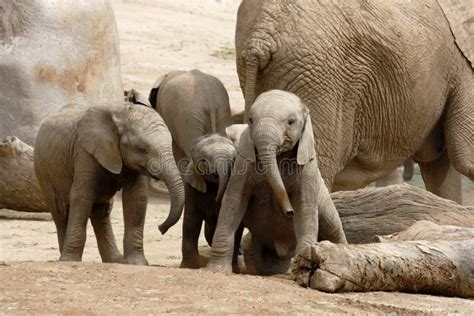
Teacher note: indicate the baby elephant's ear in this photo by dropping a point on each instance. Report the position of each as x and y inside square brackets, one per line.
[194, 179]
[306, 151]
[246, 147]
[98, 134]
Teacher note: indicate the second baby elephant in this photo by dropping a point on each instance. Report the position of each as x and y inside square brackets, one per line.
[195, 107]
[211, 155]
[84, 154]
[276, 188]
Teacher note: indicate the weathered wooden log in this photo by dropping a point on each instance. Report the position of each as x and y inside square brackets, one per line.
[369, 212]
[24, 216]
[426, 230]
[427, 266]
[19, 188]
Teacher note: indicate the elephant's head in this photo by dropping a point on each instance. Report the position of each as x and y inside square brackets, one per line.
[212, 157]
[133, 137]
[234, 132]
[278, 121]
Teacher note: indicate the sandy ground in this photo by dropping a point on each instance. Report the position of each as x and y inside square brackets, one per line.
[156, 37]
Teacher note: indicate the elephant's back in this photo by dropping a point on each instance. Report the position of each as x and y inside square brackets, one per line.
[186, 103]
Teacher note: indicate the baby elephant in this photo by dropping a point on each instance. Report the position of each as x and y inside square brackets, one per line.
[275, 188]
[211, 155]
[84, 155]
[195, 107]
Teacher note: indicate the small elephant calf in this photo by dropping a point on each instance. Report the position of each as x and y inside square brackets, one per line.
[84, 154]
[276, 188]
[211, 163]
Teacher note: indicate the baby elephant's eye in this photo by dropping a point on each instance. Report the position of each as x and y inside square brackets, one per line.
[142, 150]
[291, 121]
[250, 120]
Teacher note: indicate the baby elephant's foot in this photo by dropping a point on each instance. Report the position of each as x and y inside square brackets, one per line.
[219, 265]
[115, 258]
[136, 260]
[194, 263]
[70, 257]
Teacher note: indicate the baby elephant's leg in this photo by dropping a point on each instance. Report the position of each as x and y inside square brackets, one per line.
[104, 234]
[81, 203]
[134, 200]
[192, 223]
[267, 261]
[61, 226]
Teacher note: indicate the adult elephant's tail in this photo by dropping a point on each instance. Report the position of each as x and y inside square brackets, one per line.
[251, 71]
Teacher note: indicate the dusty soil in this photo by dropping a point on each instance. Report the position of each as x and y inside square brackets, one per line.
[52, 287]
[156, 37]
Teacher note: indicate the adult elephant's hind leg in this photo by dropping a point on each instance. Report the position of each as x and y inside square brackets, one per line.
[442, 179]
[459, 126]
[104, 234]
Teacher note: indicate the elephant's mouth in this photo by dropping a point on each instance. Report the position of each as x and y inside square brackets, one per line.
[155, 177]
[213, 178]
[286, 146]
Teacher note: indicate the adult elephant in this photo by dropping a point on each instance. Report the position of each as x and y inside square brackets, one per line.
[53, 53]
[383, 80]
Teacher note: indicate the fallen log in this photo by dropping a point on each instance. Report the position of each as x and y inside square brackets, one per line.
[436, 266]
[19, 189]
[25, 216]
[426, 230]
[369, 212]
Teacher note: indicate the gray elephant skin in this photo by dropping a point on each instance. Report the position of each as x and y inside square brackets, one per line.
[383, 80]
[195, 107]
[276, 188]
[53, 53]
[84, 154]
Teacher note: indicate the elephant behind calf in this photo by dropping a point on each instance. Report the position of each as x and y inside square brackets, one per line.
[84, 154]
[195, 106]
[383, 81]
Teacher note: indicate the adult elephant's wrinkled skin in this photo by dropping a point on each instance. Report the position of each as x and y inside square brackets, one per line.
[383, 80]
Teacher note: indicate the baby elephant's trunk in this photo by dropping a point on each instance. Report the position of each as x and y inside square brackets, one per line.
[224, 174]
[267, 154]
[170, 175]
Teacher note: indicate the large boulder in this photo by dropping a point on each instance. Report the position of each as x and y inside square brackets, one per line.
[53, 52]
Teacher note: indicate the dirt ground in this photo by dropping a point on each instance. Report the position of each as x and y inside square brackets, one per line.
[156, 37]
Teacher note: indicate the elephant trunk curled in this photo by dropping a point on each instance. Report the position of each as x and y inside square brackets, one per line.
[168, 172]
[267, 143]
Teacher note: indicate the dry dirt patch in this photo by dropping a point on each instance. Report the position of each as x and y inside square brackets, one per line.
[52, 287]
